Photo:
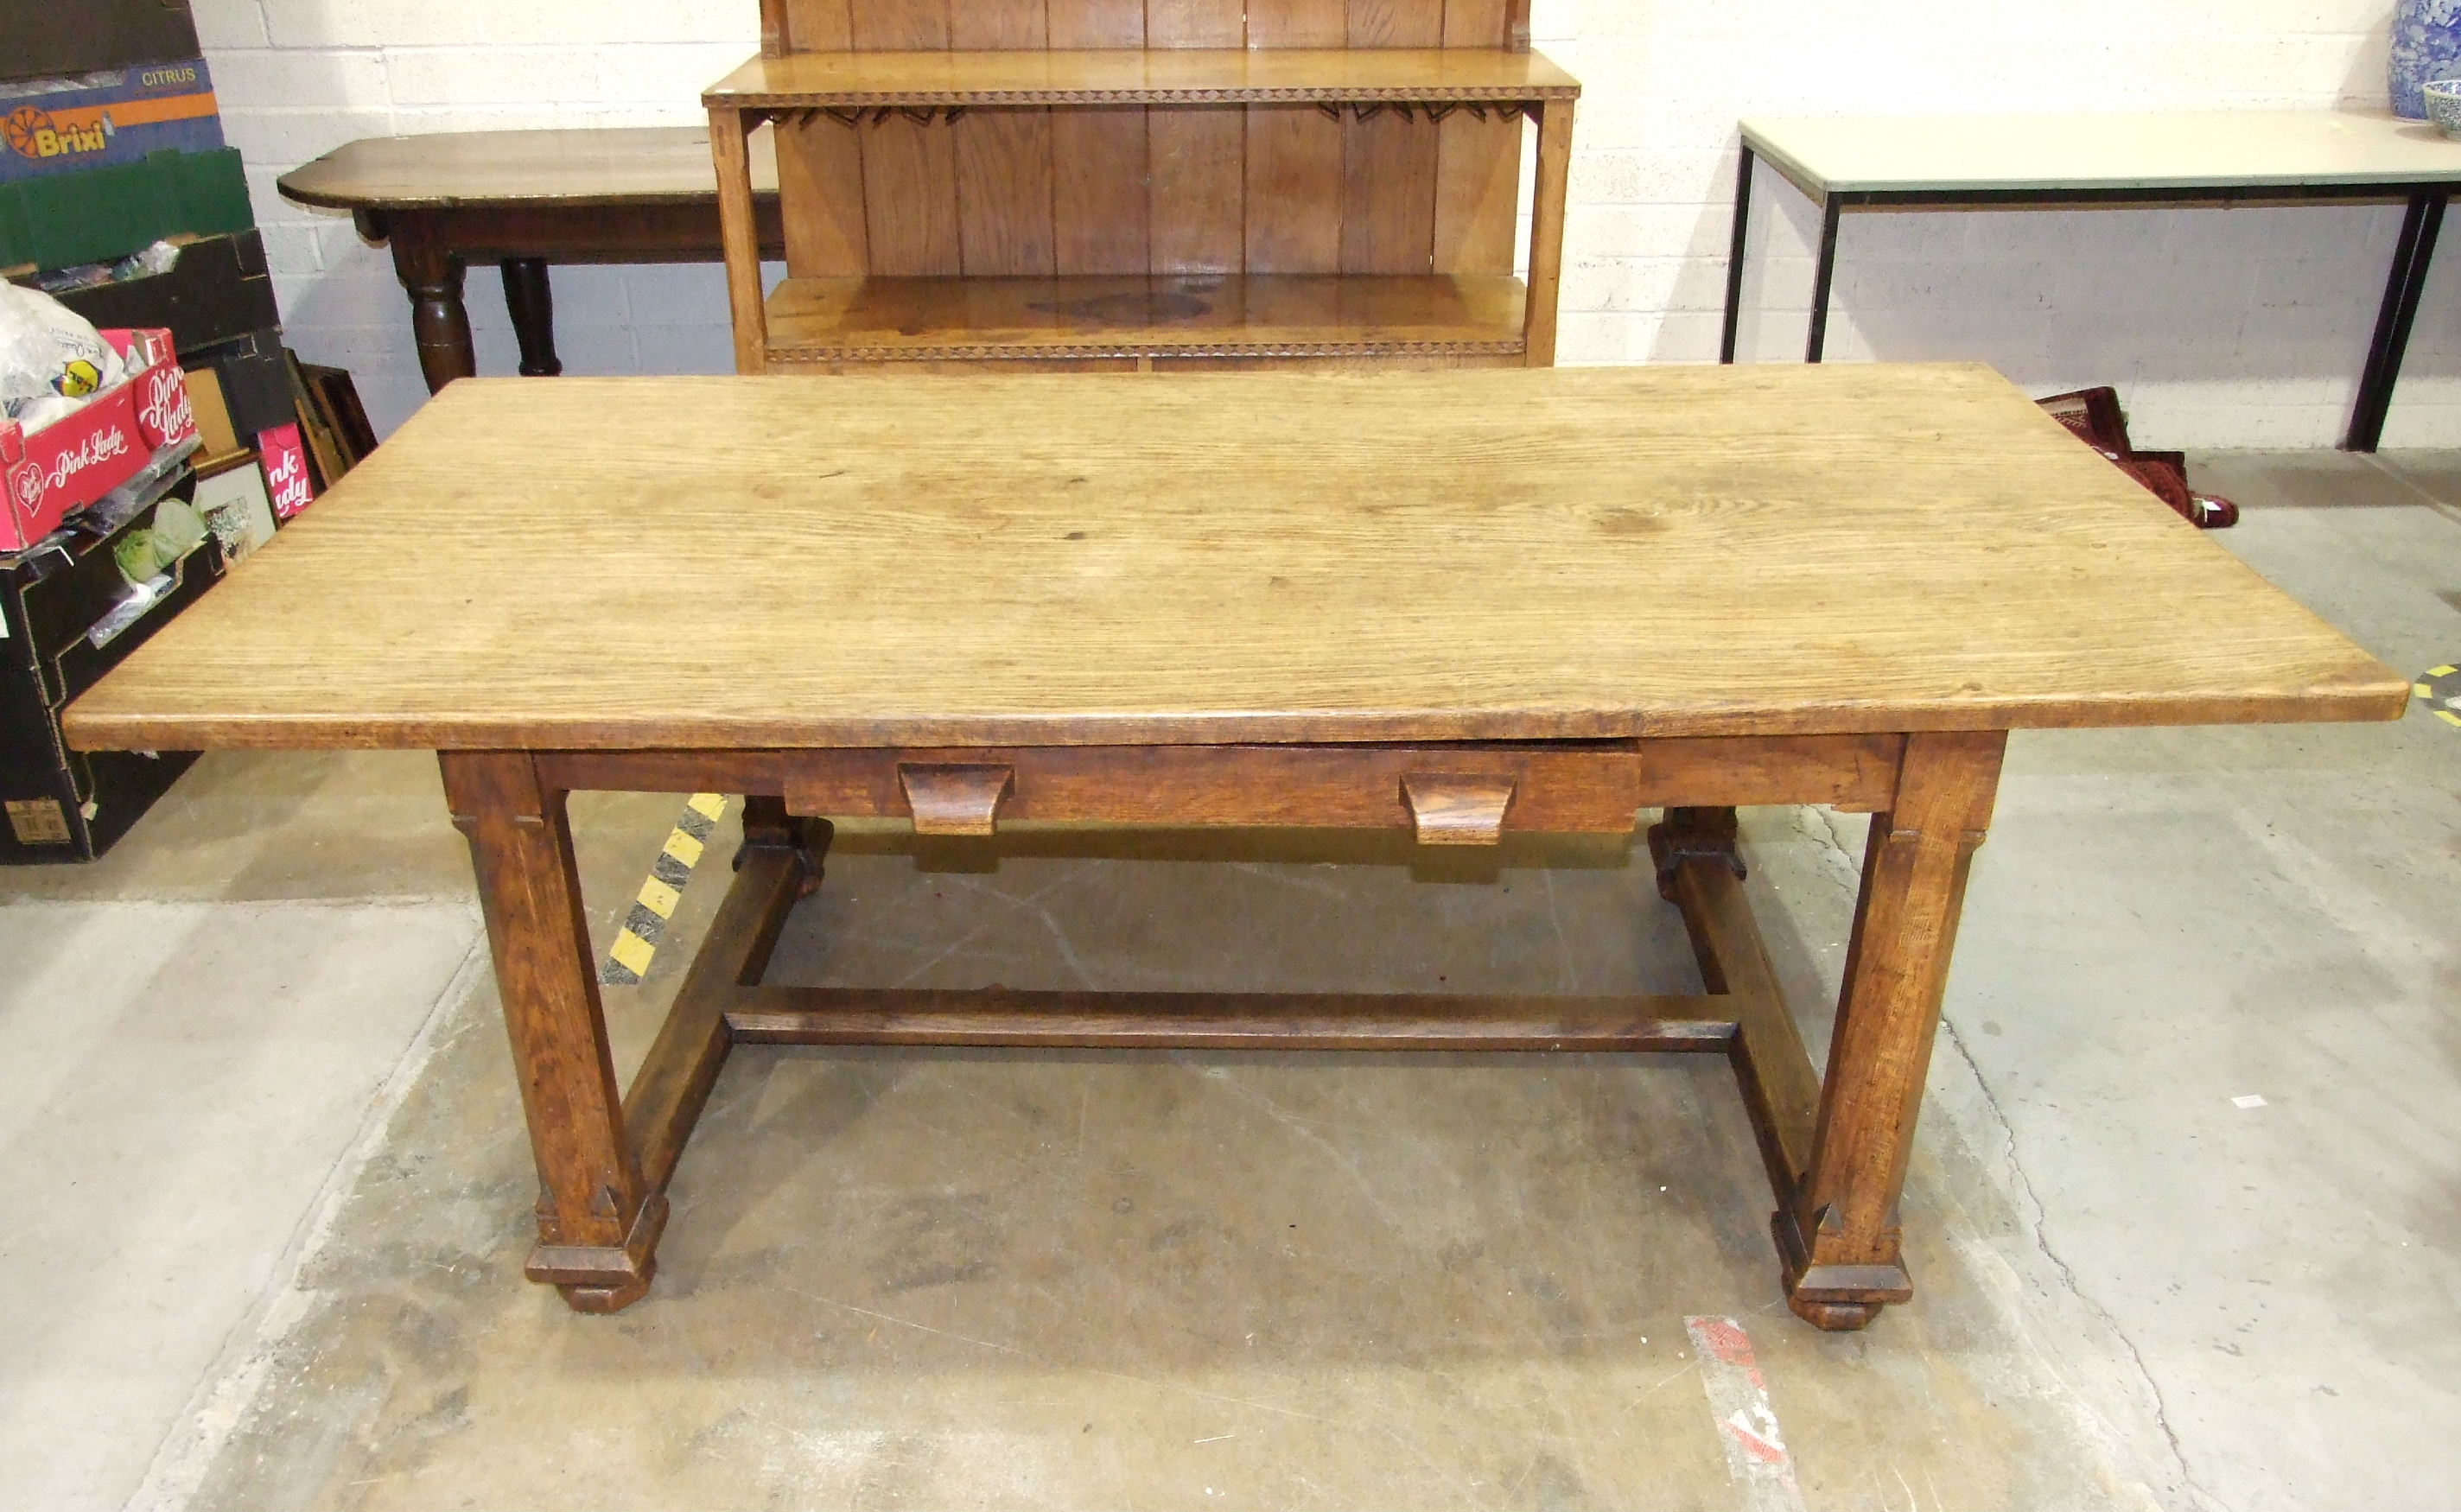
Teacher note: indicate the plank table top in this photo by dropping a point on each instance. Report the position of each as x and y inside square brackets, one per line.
[614, 165]
[690, 563]
[2182, 150]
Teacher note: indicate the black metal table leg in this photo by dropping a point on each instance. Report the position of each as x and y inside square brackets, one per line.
[2410, 259]
[1735, 256]
[1824, 272]
[531, 305]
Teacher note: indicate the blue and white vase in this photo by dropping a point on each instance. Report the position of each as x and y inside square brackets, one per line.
[2425, 46]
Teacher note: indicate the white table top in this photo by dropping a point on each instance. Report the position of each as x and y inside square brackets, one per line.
[2178, 149]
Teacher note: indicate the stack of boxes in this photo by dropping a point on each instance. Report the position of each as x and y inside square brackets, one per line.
[111, 158]
[111, 141]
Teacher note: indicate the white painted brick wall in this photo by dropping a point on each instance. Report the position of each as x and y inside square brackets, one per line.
[2222, 327]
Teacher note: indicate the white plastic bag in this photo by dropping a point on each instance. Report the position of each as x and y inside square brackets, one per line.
[49, 353]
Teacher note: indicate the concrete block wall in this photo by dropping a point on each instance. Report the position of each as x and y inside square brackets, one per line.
[2241, 326]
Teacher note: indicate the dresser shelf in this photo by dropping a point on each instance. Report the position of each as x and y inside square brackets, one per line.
[1137, 76]
[1120, 184]
[845, 320]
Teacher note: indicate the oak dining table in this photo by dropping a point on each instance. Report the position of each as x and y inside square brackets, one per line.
[1452, 605]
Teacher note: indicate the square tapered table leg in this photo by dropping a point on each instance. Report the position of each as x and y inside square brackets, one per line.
[598, 1220]
[1838, 1235]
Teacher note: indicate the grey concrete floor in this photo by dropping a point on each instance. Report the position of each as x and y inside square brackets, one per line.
[269, 1188]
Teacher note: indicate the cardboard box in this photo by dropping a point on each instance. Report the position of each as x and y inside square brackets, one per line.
[37, 40]
[57, 804]
[99, 215]
[218, 292]
[114, 115]
[75, 460]
[217, 438]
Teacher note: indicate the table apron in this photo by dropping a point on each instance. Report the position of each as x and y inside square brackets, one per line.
[1554, 786]
[641, 231]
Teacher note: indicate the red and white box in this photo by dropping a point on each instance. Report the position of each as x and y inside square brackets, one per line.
[77, 459]
[283, 456]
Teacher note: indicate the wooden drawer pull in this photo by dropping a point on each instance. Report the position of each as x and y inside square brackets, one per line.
[1455, 810]
[954, 799]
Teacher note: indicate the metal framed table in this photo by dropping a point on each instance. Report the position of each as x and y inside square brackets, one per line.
[1450, 604]
[524, 199]
[2179, 158]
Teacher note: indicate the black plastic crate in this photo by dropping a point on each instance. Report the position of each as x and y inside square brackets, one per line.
[218, 292]
[44, 40]
[256, 381]
[57, 804]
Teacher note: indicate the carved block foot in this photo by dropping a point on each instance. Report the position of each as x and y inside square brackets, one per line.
[1839, 1298]
[1834, 1317]
[603, 1278]
[1687, 833]
[766, 825]
[812, 837]
[610, 1299]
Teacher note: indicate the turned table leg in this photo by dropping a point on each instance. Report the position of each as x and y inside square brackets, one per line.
[598, 1220]
[530, 303]
[439, 320]
[1838, 1235]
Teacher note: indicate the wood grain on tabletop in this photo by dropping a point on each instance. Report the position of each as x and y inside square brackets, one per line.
[1191, 557]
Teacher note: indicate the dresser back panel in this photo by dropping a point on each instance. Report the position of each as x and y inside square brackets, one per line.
[1131, 189]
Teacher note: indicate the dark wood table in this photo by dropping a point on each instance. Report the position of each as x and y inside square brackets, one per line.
[1449, 603]
[523, 200]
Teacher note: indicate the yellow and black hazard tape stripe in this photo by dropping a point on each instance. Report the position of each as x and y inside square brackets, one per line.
[636, 944]
[2441, 688]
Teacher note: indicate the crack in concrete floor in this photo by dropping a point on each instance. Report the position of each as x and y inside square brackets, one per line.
[1843, 858]
[2037, 1218]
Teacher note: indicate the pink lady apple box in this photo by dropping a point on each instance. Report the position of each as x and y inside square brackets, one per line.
[79, 458]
